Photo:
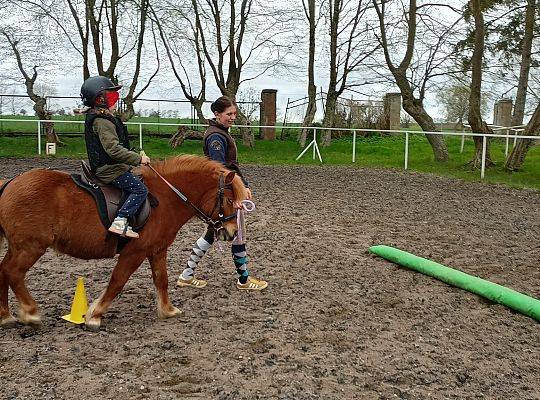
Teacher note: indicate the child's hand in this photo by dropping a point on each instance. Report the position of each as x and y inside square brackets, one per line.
[145, 160]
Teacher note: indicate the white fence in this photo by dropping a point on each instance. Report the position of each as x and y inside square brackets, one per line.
[313, 143]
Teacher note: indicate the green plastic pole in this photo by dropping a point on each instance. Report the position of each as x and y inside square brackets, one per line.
[494, 292]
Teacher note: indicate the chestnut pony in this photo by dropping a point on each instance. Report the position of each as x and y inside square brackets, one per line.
[44, 208]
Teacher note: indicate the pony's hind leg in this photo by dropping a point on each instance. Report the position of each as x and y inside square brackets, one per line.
[14, 267]
[126, 265]
[158, 263]
[6, 319]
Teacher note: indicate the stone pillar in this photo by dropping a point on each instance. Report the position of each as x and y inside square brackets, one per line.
[392, 110]
[268, 113]
[502, 112]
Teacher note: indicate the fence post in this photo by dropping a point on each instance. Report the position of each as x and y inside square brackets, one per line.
[484, 145]
[354, 146]
[406, 150]
[140, 136]
[314, 141]
[462, 140]
[507, 142]
[39, 137]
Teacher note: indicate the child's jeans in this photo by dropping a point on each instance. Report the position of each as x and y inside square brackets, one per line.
[137, 193]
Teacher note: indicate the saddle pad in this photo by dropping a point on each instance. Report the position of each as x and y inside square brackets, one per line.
[4, 185]
[98, 196]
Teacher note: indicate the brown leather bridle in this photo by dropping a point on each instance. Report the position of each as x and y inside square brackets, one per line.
[216, 224]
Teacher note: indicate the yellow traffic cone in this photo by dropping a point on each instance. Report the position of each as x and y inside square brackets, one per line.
[79, 305]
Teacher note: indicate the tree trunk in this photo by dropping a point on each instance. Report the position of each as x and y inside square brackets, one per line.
[521, 95]
[247, 134]
[182, 134]
[48, 127]
[476, 161]
[329, 118]
[197, 105]
[312, 89]
[415, 108]
[517, 157]
[308, 120]
[478, 125]
[332, 92]
[129, 112]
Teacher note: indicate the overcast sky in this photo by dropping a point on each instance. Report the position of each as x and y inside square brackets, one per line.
[288, 88]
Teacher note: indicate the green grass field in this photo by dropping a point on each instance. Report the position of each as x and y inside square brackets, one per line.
[9, 127]
[383, 152]
[22, 126]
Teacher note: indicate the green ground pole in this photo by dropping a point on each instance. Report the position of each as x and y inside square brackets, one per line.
[492, 291]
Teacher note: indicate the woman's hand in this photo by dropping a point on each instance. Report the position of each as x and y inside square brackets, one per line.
[145, 160]
[238, 204]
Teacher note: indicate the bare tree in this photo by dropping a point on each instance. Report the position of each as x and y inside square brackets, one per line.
[107, 32]
[180, 36]
[517, 156]
[310, 13]
[525, 65]
[476, 122]
[40, 102]
[413, 81]
[232, 34]
[351, 43]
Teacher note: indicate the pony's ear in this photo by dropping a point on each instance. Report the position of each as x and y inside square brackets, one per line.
[229, 178]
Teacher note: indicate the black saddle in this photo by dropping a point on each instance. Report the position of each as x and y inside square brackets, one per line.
[109, 198]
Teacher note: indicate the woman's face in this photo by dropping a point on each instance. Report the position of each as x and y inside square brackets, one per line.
[227, 117]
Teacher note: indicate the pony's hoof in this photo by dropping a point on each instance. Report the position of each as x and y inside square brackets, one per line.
[8, 322]
[34, 320]
[172, 312]
[93, 325]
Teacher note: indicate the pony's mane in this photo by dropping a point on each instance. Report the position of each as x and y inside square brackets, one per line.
[192, 163]
[188, 163]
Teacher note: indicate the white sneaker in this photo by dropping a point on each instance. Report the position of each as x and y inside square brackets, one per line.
[120, 227]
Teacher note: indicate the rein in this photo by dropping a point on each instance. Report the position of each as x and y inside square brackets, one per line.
[247, 207]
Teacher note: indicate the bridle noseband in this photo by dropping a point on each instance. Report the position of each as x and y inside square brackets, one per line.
[217, 224]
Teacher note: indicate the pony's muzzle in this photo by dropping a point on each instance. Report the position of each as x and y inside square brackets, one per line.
[223, 234]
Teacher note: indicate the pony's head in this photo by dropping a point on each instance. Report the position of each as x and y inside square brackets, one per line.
[218, 204]
[210, 187]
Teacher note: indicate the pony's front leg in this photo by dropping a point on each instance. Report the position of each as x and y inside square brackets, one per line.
[158, 262]
[126, 265]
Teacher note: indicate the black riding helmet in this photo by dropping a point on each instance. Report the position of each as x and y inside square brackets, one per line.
[93, 87]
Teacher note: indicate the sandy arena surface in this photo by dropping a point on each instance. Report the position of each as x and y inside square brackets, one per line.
[335, 321]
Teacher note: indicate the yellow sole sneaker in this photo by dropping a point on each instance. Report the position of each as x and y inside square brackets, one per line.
[193, 282]
[252, 284]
